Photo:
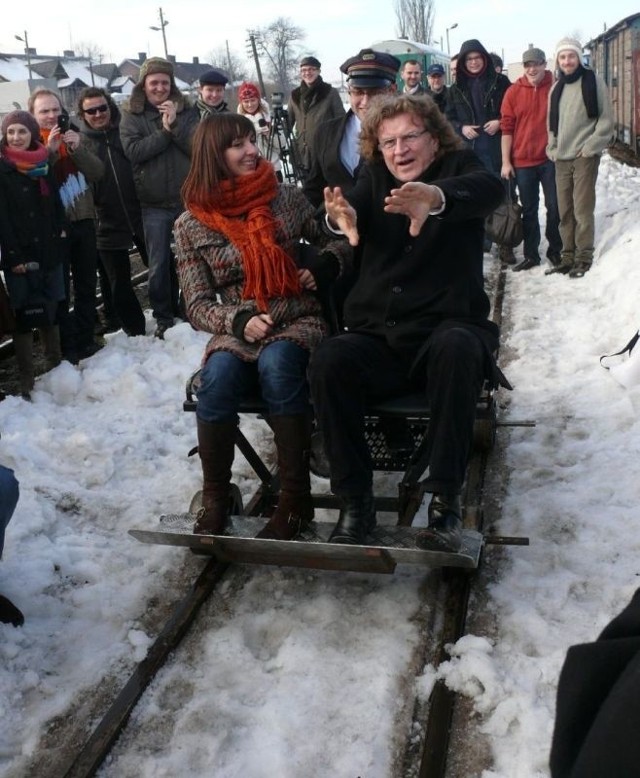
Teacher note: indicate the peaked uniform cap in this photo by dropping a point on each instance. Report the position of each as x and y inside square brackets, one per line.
[369, 68]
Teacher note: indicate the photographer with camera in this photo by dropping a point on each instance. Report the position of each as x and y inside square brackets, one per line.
[256, 109]
[74, 168]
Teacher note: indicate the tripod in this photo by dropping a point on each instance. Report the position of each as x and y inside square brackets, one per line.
[281, 141]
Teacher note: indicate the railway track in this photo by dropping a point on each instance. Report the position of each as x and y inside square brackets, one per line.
[427, 745]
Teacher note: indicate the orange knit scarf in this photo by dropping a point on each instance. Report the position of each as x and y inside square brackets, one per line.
[268, 270]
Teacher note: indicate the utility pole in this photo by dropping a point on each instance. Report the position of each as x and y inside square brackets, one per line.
[27, 51]
[163, 24]
[256, 59]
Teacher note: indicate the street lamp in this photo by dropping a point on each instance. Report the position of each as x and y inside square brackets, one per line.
[453, 26]
[25, 40]
[163, 24]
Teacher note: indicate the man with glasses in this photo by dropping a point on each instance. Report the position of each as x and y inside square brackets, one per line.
[119, 223]
[416, 319]
[337, 154]
[524, 140]
[311, 104]
[474, 110]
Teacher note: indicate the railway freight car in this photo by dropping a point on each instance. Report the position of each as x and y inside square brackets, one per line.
[615, 55]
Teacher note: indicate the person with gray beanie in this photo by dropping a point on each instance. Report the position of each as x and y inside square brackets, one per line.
[580, 127]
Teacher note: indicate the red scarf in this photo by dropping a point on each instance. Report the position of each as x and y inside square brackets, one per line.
[268, 270]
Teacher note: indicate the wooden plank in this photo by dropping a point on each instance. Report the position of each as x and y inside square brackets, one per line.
[388, 546]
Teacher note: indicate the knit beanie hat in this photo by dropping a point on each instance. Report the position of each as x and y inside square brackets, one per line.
[569, 44]
[155, 65]
[24, 118]
[247, 90]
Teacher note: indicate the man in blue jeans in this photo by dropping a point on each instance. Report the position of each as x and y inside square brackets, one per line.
[9, 493]
[524, 141]
[156, 129]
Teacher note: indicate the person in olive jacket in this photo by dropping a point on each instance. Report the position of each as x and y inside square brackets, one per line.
[416, 319]
[119, 223]
[156, 130]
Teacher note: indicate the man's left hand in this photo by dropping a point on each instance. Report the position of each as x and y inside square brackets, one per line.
[71, 139]
[415, 200]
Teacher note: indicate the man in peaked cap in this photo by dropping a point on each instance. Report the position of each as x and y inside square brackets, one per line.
[311, 104]
[337, 158]
[211, 93]
[156, 129]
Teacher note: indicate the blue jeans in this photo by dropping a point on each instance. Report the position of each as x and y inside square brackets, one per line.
[9, 493]
[163, 281]
[529, 180]
[279, 375]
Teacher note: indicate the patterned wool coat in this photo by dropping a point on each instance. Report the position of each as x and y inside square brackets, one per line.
[212, 277]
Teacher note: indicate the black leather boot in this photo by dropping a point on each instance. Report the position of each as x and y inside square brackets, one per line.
[444, 532]
[216, 443]
[357, 519]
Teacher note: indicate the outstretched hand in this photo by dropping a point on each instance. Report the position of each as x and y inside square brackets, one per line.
[341, 213]
[416, 201]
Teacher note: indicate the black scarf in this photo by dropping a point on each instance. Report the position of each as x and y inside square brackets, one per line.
[589, 95]
[308, 93]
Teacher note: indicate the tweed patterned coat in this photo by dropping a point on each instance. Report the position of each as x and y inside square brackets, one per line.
[211, 277]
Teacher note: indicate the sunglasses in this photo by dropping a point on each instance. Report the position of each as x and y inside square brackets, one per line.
[98, 109]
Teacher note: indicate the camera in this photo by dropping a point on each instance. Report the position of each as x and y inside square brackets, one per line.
[63, 122]
[277, 100]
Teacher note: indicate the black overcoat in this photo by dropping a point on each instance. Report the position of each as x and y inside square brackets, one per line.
[409, 286]
[327, 168]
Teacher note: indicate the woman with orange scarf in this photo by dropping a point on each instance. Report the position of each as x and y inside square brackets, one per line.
[237, 247]
[31, 231]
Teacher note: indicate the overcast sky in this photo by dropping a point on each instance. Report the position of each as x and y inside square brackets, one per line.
[335, 30]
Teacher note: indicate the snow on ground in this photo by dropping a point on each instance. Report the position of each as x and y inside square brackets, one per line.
[311, 669]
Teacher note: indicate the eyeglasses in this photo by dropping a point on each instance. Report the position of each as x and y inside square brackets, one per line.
[370, 92]
[532, 64]
[411, 138]
[98, 109]
[473, 59]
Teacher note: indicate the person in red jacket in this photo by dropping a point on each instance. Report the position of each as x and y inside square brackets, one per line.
[523, 122]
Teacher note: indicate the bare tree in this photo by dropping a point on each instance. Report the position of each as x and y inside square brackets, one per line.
[276, 43]
[89, 50]
[230, 61]
[415, 19]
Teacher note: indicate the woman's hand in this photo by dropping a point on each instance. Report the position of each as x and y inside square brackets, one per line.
[307, 281]
[19, 269]
[341, 213]
[416, 201]
[258, 327]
